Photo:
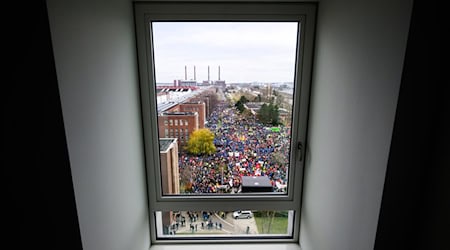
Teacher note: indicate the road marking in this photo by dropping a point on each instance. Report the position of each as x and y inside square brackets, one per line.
[224, 221]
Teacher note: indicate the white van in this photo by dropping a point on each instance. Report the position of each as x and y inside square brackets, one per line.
[242, 214]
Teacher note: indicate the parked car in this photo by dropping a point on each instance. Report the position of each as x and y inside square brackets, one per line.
[243, 214]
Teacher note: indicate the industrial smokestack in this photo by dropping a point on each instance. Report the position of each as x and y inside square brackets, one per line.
[208, 74]
[185, 72]
[195, 77]
[219, 73]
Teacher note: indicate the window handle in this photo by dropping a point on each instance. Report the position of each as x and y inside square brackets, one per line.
[300, 150]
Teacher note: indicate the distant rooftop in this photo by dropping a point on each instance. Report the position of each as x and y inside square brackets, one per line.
[163, 106]
[178, 113]
[193, 102]
[176, 88]
[164, 143]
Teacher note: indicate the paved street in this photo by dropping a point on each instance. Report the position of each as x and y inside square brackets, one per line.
[216, 225]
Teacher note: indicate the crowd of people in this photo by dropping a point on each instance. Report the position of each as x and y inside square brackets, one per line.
[245, 147]
[194, 222]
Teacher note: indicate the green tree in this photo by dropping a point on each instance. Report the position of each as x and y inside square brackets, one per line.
[240, 103]
[263, 114]
[201, 141]
[274, 115]
[269, 114]
[243, 99]
[240, 106]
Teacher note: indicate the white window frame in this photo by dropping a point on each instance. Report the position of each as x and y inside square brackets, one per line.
[305, 14]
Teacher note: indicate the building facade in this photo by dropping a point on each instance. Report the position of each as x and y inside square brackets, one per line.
[177, 125]
[170, 177]
[198, 107]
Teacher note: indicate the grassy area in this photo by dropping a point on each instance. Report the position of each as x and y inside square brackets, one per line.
[267, 225]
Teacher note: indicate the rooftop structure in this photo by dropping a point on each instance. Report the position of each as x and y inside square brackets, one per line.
[256, 184]
[165, 144]
[175, 88]
[178, 113]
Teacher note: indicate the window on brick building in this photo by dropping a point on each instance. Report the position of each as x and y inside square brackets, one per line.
[245, 70]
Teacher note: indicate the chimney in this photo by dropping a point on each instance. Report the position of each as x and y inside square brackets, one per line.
[185, 72]
[194, 74]
[208, 74]
[219, 73]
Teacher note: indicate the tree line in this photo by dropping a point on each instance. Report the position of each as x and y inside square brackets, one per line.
[268, 113]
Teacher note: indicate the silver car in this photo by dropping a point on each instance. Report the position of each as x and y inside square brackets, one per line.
[242, 214]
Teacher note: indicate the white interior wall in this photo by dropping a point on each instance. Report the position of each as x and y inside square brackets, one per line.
[96, 67]
[360, 49]
[359, 55]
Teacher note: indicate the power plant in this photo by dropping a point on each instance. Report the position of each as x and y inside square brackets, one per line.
[193, 81]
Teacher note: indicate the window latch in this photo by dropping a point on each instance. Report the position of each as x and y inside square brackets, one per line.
[300, 150]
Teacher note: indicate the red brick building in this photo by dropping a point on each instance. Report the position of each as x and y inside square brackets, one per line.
[181, 119]
[198, 107]
[205, 99]
[177, 125]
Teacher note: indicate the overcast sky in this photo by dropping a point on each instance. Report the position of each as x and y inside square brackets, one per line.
[245, 51]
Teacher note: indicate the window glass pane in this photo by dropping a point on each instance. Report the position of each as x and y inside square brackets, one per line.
[232, 84]
[245, 223]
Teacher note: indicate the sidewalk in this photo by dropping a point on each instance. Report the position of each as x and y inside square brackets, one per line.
[218, 225]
